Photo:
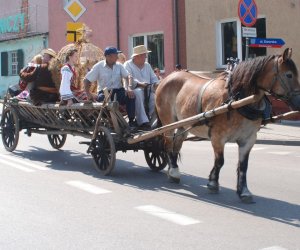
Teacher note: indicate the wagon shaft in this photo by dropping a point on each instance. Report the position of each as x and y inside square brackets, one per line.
[194, 119]
[281, 117]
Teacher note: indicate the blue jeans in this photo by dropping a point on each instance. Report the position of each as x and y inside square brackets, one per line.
[122, 99]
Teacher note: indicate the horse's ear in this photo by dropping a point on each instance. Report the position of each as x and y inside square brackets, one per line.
[287, 54]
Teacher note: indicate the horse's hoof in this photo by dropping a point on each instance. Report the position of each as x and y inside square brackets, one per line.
[247, 199]
[174, 175]
[245, 195]
[213, 187]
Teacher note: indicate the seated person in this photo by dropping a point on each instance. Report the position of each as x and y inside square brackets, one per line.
[43, 89]
[109, 74]
[27, 86]
[143, 75]
[69, 93]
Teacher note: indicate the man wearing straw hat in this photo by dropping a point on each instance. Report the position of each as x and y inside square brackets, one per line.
[143, 77]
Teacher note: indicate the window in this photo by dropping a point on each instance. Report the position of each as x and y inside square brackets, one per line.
[12, 62]
[13, 58]
[230, 42]
[154, 43]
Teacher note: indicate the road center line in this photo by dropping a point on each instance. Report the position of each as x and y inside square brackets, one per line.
[257, 148]
[24, 163]
[168, 215]
[279, 152]
[274, 248]
[16, 166]
[87, 187]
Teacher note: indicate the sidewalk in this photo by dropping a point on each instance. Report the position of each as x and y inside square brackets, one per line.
[281, 133]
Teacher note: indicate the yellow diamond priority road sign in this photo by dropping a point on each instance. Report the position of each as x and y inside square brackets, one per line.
[75, 9]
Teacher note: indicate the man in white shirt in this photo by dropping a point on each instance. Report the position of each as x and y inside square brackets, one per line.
[109, 74]
[143, 76]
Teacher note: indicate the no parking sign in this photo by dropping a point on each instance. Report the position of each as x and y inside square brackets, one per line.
[247, 11]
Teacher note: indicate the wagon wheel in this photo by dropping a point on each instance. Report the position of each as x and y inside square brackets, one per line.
[104, 151]
[57, 141]
[155, 155]
[10, 129]
[156, 159]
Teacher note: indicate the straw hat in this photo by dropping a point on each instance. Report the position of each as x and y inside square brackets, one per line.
[49, 51]
[139, 50]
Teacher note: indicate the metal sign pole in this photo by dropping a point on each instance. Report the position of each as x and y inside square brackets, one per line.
[247, 49]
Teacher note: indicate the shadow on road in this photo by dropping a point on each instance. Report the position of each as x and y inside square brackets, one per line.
[191, 187]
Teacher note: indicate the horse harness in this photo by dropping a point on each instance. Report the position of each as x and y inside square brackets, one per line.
[283, 78]
[248, 111]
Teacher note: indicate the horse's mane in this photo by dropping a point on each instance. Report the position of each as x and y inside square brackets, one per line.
[245, 74]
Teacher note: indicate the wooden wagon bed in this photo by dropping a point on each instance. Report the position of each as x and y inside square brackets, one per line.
[104, 126]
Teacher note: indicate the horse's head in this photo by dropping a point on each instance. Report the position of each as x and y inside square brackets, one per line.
[285, 84]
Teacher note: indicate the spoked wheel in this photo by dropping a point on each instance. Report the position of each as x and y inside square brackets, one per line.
[104, 151]
[156, 159]
[57, 141]
[10, 129]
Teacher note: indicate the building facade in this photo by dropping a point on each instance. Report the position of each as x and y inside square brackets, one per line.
[214, 30]
[23, 34]
[198, 34]
[125, 24]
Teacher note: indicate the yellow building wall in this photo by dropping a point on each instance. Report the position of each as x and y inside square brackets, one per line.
[282, 21]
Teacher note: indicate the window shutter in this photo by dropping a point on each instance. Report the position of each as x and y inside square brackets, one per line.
[20, 55]
[4, 64]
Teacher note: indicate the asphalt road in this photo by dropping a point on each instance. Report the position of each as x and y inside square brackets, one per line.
[54, 199]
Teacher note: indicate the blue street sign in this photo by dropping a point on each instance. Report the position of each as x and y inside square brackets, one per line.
[247, 11]
[266, 42]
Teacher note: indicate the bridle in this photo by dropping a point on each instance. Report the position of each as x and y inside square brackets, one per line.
[285, 80]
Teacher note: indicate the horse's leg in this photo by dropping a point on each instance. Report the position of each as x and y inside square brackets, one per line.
[242, 189]
[173, 172]
[213, 183]
[173, 154]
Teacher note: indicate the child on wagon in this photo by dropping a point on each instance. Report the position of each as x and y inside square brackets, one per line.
[69, 93]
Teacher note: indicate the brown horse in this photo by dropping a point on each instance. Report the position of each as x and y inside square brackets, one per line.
[183, 94]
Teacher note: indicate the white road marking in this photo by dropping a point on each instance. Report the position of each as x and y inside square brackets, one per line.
[87, 187]
[279, 153]
[24, 163]
[257, 148]
[274, 248]
[168, 215]
[17, 166]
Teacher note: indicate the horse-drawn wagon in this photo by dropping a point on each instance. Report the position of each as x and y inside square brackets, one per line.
[102, 124]
[178, 99]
